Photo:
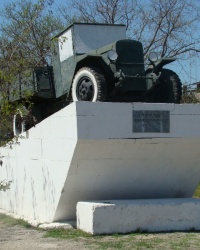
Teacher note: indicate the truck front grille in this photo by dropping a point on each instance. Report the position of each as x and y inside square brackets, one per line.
[130, 57]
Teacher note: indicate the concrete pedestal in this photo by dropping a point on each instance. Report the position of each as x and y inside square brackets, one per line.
[150, 215]
[97, 151]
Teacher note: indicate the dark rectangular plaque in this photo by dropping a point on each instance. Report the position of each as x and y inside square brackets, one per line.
[150, 121]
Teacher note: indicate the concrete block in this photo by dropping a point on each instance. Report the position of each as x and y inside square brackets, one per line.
[152, 215]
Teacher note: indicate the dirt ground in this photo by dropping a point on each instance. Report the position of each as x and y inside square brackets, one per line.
[20, 238]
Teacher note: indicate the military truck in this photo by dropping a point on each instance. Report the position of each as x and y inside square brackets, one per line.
[96, 62]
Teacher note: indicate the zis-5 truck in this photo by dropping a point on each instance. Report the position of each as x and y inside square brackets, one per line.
[95, 62]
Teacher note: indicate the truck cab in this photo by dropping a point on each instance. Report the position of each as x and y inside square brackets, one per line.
[96, 62]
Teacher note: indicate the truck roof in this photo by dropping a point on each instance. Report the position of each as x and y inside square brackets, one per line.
[89, 24]
[81, 38]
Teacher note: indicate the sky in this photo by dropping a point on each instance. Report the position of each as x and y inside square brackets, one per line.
[3, 2]
[188, 71]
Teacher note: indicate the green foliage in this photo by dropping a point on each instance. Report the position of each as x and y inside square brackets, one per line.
[197, 192]
[25, 31]
[7, 111]
[6, 114]
[190, 98]
[11, 221]
[5, 185]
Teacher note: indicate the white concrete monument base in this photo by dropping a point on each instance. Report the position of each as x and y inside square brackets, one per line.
[102, 151]
[151, 215]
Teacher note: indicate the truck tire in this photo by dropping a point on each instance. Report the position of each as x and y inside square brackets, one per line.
[89, 84]
[25, 119]
[19, 123]
[170, 87]
[34, 117]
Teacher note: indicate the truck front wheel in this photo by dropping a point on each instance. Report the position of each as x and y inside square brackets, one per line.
[170, 86]
[89, 84]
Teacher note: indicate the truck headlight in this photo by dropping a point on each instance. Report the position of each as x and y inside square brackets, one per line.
[153, 57]
[112, 55]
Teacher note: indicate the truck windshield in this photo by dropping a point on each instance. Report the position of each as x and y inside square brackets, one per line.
[91, 37]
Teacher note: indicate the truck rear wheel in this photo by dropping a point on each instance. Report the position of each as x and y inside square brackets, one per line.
[24, 119]
[89, 84]
[19, 123]
[170, 87]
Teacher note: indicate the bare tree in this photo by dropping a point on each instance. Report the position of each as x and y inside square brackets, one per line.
[166, 26]
[100, 11]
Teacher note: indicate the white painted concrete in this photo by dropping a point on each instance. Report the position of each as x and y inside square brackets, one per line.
[88, 151]
[63, 225]
[114, 120]
[38, 167]
[152, 215]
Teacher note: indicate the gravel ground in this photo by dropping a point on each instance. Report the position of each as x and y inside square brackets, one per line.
[20, 238]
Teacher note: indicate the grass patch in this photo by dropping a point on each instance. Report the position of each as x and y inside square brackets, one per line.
[111, 244]
[197, 192]
[13, 222]
[67, 233]
[128, 242]
[135, 240]
[114, 241]
[76, 233]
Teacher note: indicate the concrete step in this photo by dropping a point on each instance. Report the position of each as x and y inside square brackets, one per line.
[149, 215]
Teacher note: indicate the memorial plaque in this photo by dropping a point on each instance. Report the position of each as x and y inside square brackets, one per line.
[150, 121]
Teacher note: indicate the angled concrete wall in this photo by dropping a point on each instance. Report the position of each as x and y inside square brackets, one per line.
[92, 151]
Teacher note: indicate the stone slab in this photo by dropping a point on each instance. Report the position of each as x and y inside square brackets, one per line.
[151, 215]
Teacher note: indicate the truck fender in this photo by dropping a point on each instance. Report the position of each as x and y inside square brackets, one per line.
[91, 60]
[157, 66]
